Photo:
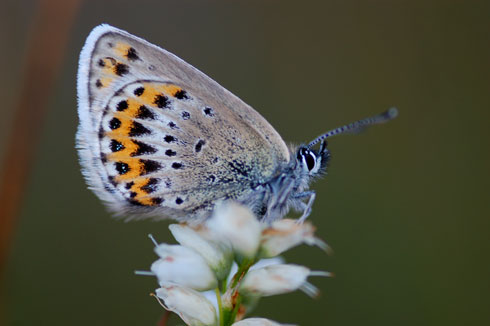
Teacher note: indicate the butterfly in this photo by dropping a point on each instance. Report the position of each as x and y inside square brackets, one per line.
[157, 137]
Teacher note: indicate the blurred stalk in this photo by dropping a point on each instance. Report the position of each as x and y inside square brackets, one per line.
[43, 60]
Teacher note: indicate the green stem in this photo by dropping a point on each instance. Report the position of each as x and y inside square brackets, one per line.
[220, 307]
[244, 266]
[223, 286]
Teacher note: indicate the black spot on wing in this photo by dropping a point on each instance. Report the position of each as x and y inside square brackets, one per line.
[177, 165]
[145, 113]
[150, 166]
[121, 69]
[181, 94]
[161, 101]
[137, 129]
[143, 149]
[116, 146]
[122, 168]
[114, 123]
[199, 145]
[121, 106]
[186, 115]
[208, 111]
[150, 186]
[157, 201]
[169, 138]
[132, 55]
[170, 152]
[139, 91]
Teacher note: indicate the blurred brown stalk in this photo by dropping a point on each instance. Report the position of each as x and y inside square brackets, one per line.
[43, 60]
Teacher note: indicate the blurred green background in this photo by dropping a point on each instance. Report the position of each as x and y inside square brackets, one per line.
[405, 205]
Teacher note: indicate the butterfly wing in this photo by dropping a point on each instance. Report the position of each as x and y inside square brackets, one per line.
[158, 136]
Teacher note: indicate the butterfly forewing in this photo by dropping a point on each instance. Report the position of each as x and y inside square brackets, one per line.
[158, 135]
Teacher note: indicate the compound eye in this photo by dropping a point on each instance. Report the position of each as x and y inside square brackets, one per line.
[310, 160]
[307, 157]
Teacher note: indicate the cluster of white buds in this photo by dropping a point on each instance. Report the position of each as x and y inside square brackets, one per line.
[220, 269]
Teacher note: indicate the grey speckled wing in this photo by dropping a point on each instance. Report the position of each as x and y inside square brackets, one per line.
[159, 137]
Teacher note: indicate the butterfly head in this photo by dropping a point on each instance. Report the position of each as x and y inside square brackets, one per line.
[312, 162]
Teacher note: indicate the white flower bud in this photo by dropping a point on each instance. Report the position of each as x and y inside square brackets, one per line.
[279, 279]
[190, 305]
[236, 224]
[218, 255]
[287, 233]
[258, 322]
[183, 266]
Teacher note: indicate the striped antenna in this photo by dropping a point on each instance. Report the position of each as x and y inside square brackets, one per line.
[358, 126]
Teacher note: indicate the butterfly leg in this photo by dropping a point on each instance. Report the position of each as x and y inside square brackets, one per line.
[307, 206]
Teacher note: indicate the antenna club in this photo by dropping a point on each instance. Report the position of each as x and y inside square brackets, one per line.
[392, 113]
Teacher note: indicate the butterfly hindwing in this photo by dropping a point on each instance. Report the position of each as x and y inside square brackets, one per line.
[156, 135]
